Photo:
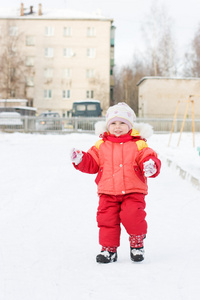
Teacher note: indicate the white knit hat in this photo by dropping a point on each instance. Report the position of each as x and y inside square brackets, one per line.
[120, 112]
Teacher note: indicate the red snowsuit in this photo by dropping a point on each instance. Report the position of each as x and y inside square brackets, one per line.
[121, 183]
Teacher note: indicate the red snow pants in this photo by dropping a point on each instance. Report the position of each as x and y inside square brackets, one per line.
[126, 209]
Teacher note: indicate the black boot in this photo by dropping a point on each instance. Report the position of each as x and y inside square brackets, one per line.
[137, 254]
[106, 257]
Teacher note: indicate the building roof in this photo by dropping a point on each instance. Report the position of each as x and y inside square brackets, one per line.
[167, 78]
[33, 13]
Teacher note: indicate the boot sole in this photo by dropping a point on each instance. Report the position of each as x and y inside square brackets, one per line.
[137, 258]
[103, 260]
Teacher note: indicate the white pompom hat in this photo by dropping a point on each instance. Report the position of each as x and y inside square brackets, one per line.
[120, 112]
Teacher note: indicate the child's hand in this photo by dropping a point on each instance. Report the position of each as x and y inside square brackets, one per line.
[149, 168]
[76, 156]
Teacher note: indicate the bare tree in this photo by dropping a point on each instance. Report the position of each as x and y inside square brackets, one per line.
[126, 80]
[157, 60]
[123, 85]
[101, 92]
[160, 42]
[118, 87]
[192, 57]
[13, 69]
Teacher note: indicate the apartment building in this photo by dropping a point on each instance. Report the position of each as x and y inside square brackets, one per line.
[67, 56]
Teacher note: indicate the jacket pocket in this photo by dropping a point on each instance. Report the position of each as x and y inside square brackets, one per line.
[139, 173]
[98, 178]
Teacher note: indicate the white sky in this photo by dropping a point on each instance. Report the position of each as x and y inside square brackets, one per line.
[129, 15]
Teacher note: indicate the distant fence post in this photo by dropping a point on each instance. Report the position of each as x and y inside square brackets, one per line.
[26, 123]
[176, 126]
[76, 124]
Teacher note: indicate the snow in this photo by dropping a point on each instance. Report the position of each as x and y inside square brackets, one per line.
[13, 100]
[181, 151]
[54, 13]
[48, 232]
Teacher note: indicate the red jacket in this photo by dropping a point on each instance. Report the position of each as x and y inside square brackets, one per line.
[119, 163]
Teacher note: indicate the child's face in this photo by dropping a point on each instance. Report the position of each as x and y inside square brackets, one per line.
[118, 128]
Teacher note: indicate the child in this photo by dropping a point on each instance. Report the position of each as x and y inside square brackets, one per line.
[123, 162]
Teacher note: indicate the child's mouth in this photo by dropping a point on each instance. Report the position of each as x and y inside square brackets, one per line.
[117, 132]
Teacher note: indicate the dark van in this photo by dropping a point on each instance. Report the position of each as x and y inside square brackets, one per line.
[91, 108]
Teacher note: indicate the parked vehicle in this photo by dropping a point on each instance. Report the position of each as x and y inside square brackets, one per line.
[86, 108]
[10, 120]
[49, 121]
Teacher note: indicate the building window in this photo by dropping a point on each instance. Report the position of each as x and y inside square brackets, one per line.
[89, 94]
[48, 73]
[112, 36]
[47, 94]
[91, 52]
[66, 94]
[13, 31]
[49, 31]
[90, 73]
[48, 52]
[111, 94]
[30, 61]
[91, 31]
[66, 73]
[29, 81]
[68, 52]
[12, 93]
[30, 40]
[67, 31]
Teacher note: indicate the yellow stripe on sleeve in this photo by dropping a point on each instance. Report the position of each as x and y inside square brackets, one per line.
[141, 144]
[98, 143]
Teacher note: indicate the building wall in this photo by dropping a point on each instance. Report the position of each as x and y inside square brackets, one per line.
[78, 64]
[158, 97]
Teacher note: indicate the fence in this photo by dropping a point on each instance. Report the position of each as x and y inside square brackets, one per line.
[68, 125]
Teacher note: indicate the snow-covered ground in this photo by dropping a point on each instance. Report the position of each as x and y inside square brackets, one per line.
[48, 232]
[184, 155]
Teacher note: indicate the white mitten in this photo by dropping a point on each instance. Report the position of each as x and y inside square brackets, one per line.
[149, 168]
[76, 156]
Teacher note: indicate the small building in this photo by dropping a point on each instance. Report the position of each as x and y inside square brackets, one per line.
[17, 105]
[158, 97]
